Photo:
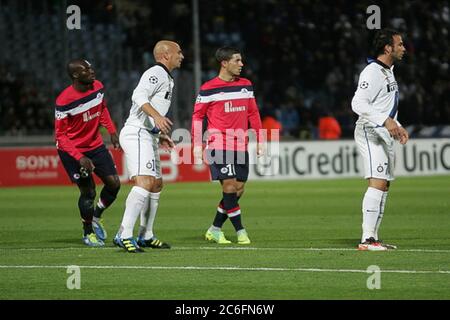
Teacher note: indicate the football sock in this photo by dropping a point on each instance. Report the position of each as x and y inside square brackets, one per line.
[233, 210]
[107, 197]
[148, 216]
[380, 216]
[86, 206]
[137, 200]
[371, 210]
[221, 216]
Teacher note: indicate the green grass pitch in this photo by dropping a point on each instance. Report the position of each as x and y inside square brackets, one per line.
[304, 235]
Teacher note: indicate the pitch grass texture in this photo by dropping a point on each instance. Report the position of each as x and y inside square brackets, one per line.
[41, 235]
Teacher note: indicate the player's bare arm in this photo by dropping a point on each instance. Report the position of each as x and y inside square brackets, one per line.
[163, 123]
[393, 128]
[115, 141]
[166, 142]
[404, 135]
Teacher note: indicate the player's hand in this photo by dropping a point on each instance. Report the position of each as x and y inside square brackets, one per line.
[87, 164]
[164, 124]
[260, 149]
[393, 128]
[198, 155]
[115, 141]
[404, 136]
[166, 142]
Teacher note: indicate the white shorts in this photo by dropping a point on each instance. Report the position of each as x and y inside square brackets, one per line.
[376, 147]
[141, 152]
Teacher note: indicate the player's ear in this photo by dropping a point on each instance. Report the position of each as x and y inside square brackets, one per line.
[224, 63]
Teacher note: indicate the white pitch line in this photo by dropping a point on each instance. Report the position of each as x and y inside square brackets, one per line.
[224, 268]
[229, 248]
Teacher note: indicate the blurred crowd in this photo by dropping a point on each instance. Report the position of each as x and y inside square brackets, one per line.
[304, 58]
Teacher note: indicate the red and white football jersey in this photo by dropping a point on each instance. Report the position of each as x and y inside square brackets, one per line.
[78, 116]
[229, 108]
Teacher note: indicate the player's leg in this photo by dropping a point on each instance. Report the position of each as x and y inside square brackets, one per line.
[221, 214]
[219, 171]
[242, 162]
[137, 145]
[371, 207]
[146, 236]
[236, 216]
[382, 207]
[391, 158]
[106, 171]
[111, 187]
[376, 170]
[86, 200]
[86, 186]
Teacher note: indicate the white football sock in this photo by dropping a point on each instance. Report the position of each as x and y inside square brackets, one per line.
[380, 216]
[371, 209]
[136, 200]
[148, 217]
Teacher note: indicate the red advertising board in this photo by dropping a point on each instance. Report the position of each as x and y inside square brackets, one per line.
[29, 166]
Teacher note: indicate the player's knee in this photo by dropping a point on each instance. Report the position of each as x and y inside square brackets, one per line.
[157, 186]
[379, 184]
[229, 188]
[145, 182]
[113, 185]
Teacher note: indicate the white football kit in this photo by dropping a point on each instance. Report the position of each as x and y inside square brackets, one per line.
[139, 137]
[376, 99]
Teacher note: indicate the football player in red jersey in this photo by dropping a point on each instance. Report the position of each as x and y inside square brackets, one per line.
[228, 102]
[80, 111]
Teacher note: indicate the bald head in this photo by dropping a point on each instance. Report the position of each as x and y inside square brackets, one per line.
[163, 47]
[76, 65]
[168, 53]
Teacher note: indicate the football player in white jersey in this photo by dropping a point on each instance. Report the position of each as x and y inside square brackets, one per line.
[144, 129]
[376, 103]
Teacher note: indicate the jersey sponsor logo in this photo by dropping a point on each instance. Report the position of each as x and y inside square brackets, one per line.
[168, 96]
[153, 80]
[229, 107]
[59, 115]
[364, 85]
[392, 86]
[88, 117]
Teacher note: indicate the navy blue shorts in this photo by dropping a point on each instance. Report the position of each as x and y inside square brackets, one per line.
[100, 157]
[228, 164]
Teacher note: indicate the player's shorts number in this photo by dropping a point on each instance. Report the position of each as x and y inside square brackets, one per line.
[231, 170]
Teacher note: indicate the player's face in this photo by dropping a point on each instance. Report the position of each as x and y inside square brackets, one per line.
[86, 73]
[234, 65]
[175, 56]
[398, 48]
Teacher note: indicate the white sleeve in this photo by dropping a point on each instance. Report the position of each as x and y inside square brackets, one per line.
[148, 85]
[369, 86]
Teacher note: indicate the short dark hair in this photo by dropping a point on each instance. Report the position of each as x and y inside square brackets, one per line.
[226, 53]
[382, 38]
